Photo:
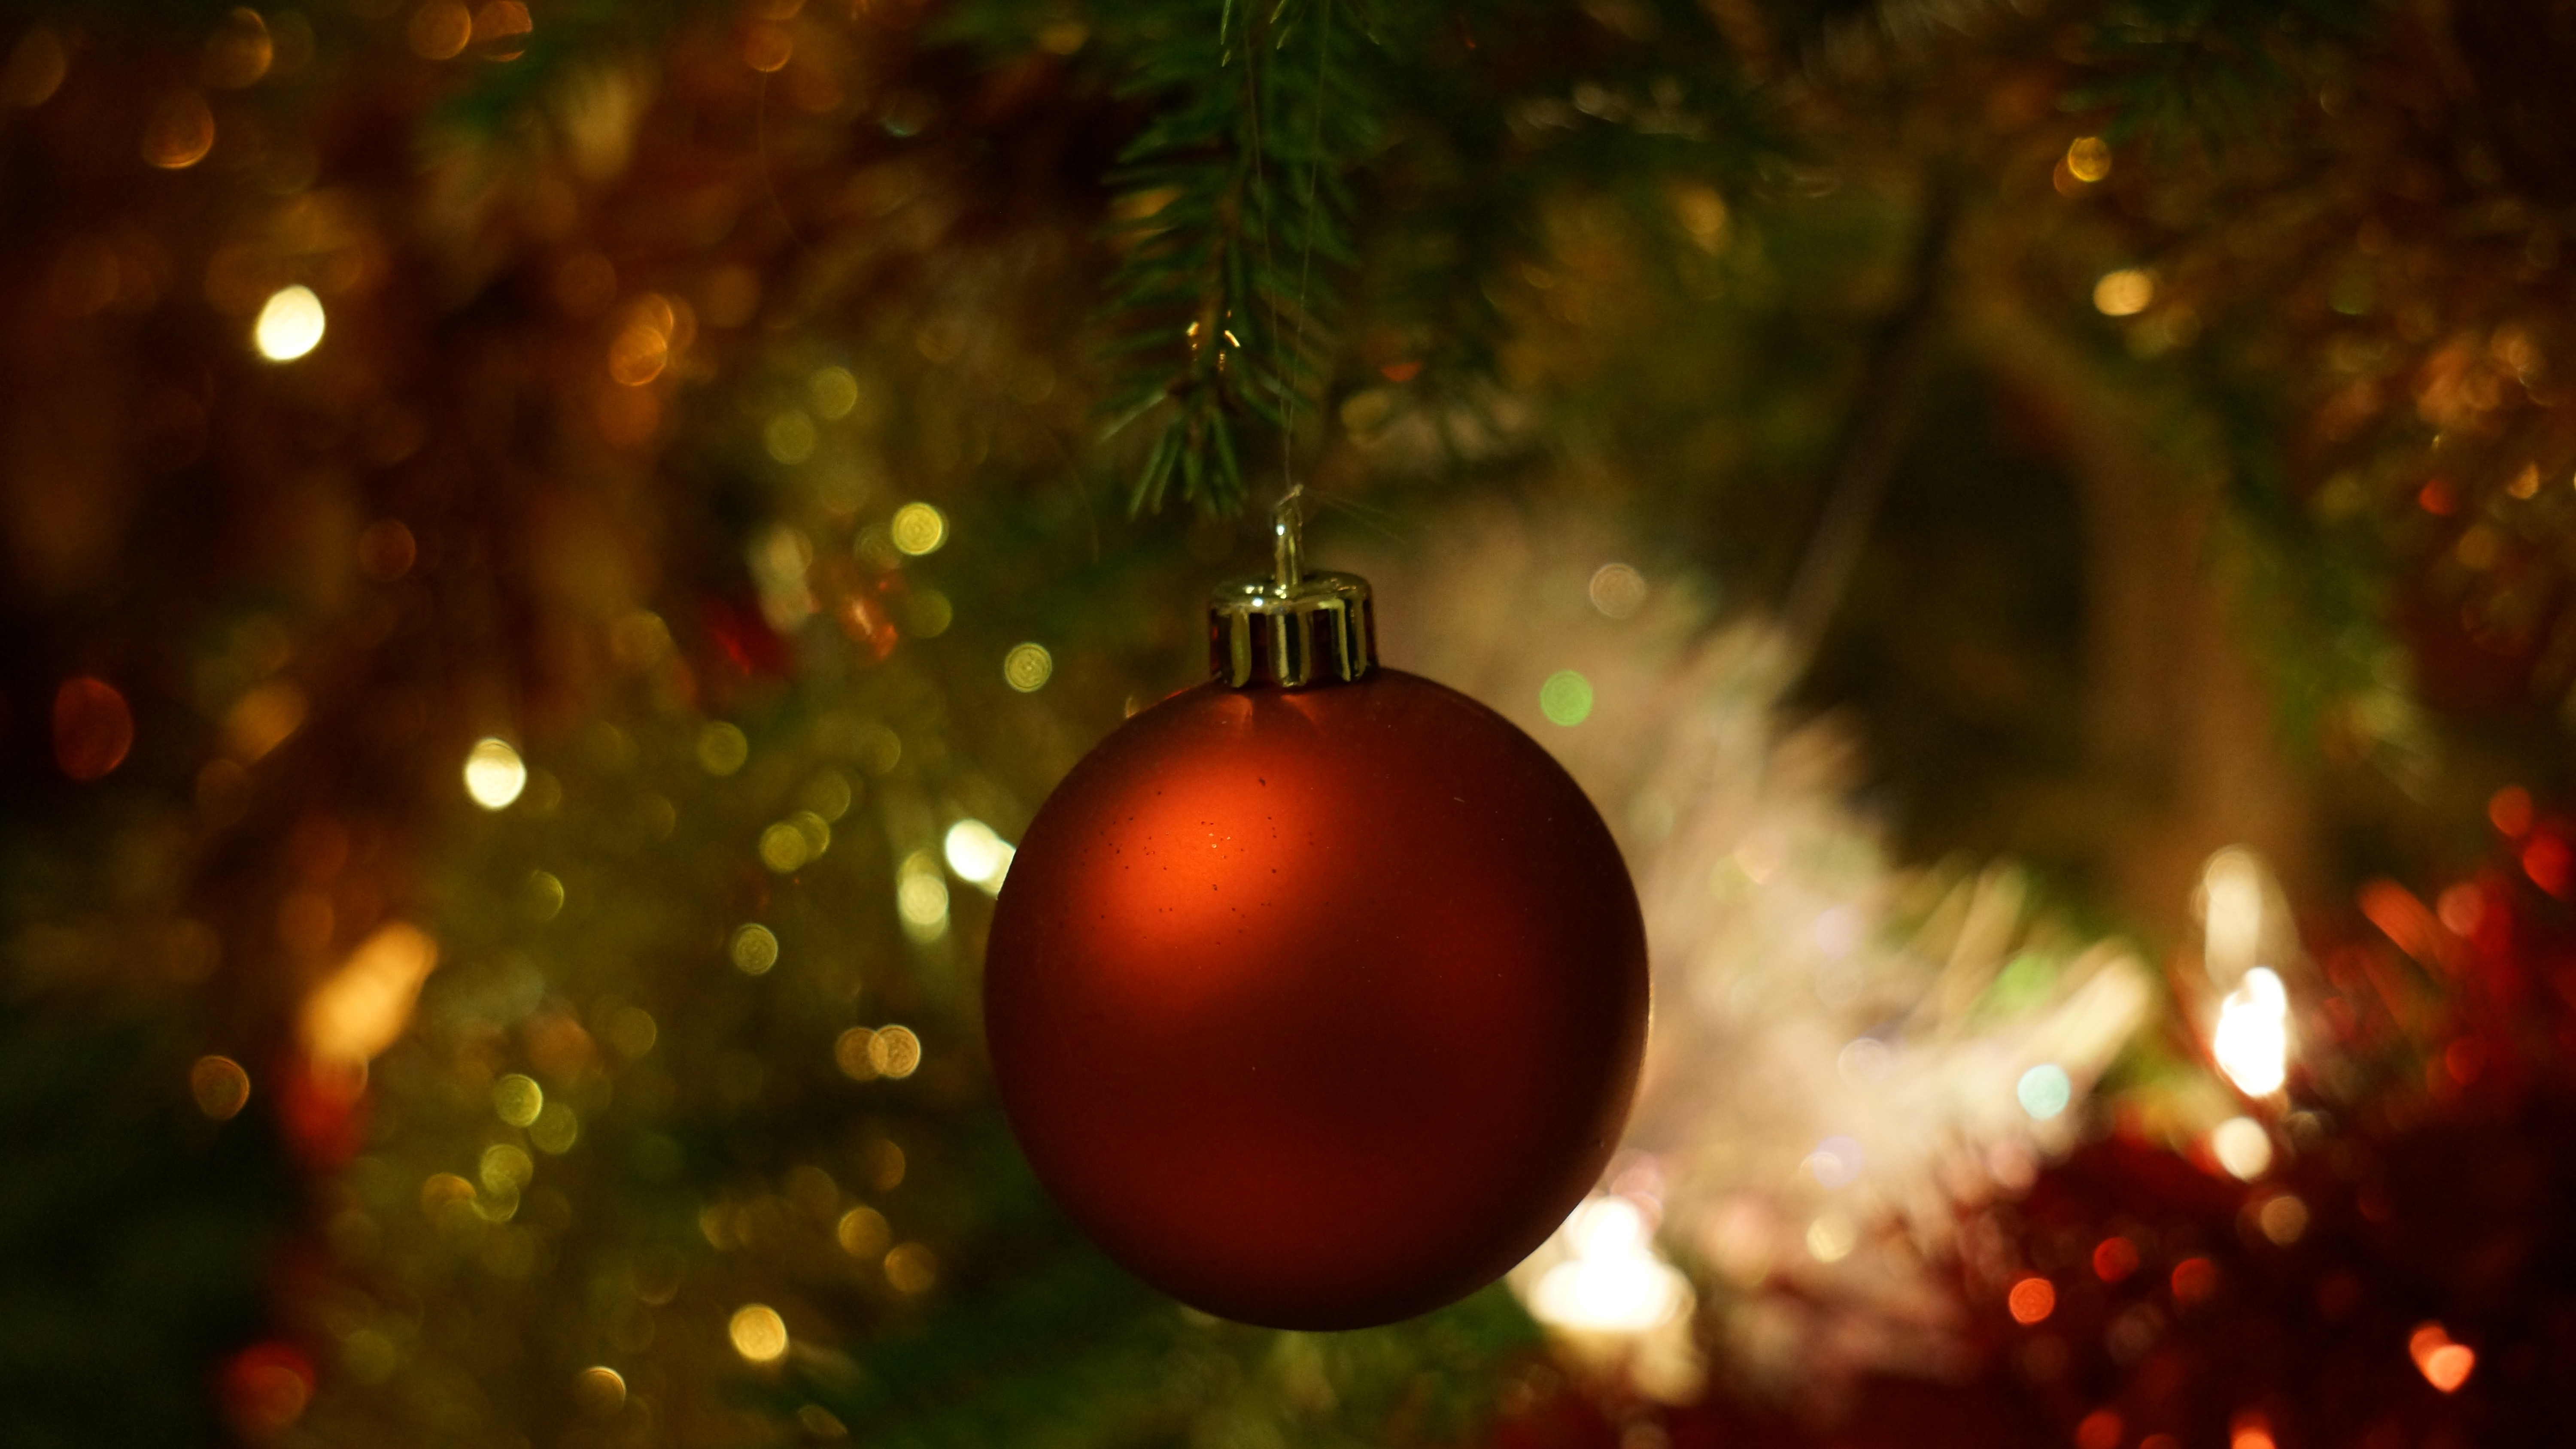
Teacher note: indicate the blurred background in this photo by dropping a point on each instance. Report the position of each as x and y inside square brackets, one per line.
[552, 548]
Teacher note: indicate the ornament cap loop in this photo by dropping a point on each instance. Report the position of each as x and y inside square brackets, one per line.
[1294, 629]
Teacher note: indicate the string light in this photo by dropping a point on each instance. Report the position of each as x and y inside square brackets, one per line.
[290, 324]
[2252, 1042]
[494, 774]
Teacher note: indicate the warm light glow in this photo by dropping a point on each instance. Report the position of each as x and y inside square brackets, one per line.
[2194, 1279]
[2252, 1042]
[2250, 1431]
[784, 848]
[722, 748]
[505, 1168]
[2510, 810]
[2283, 1219]
[1613, 1282]
[758, 1333]
[1028, 667]
[863, 1233]
[601, 1390]
[290, 325]
[921, 898]
[2044, 1091]
[911, 1269]
[918, 528]
[753, 949]
[1831, 1237]
[556, 1129]
[835, 391]
[2124, 293]
[220, 1086]
[517, 1099]
[2114, 1258]
[2444, 1364]
[2231, 888]
[2242, 1147]
[494, 773]
[2088, 159]
[893, 1051]
[363, 1007]
[790, 438]
[976, 854]
[2031, 1300]
[1617, 590]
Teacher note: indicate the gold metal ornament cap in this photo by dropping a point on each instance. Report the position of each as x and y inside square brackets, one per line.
[1293, 629]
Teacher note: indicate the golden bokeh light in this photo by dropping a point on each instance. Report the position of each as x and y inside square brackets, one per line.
[517, 1099]
[494, 773]
[1028, 667]
[363, 1007]
[753, 949]
[2124, 293]
[911, 1269]
[599, 1390]
[894, 1052]
[835, 391]
[918, 528]
[505, 1168]
[290, 324]
[555, 1130]
[790, 437]
[921, 899]
[863, 1233]
[1617, 590]
[2283, 1218]
[633, 1031]
[850, 1054]
[501, 28]
[239, 51]
[220, 1086]
[543, 896]
[441, 1191]
[440, 30]
[1831, 1237]
[722, 749]
[637, 355]
[37, 65]
[784, 848]
[758, 1333]
[2089, 158]
[180, 133]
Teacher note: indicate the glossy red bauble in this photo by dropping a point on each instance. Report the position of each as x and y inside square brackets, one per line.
[1317, 1008]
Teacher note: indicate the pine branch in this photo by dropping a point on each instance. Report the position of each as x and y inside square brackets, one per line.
[1235, 217]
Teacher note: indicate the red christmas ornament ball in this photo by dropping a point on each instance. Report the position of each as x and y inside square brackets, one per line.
[1317, 1008]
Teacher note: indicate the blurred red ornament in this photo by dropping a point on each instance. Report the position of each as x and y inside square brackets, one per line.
[92, 728]
[1317, 1008]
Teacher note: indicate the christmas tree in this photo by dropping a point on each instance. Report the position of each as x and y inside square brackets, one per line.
[556, 549]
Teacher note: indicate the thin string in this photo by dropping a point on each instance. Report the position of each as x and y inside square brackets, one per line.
[1306, 258]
